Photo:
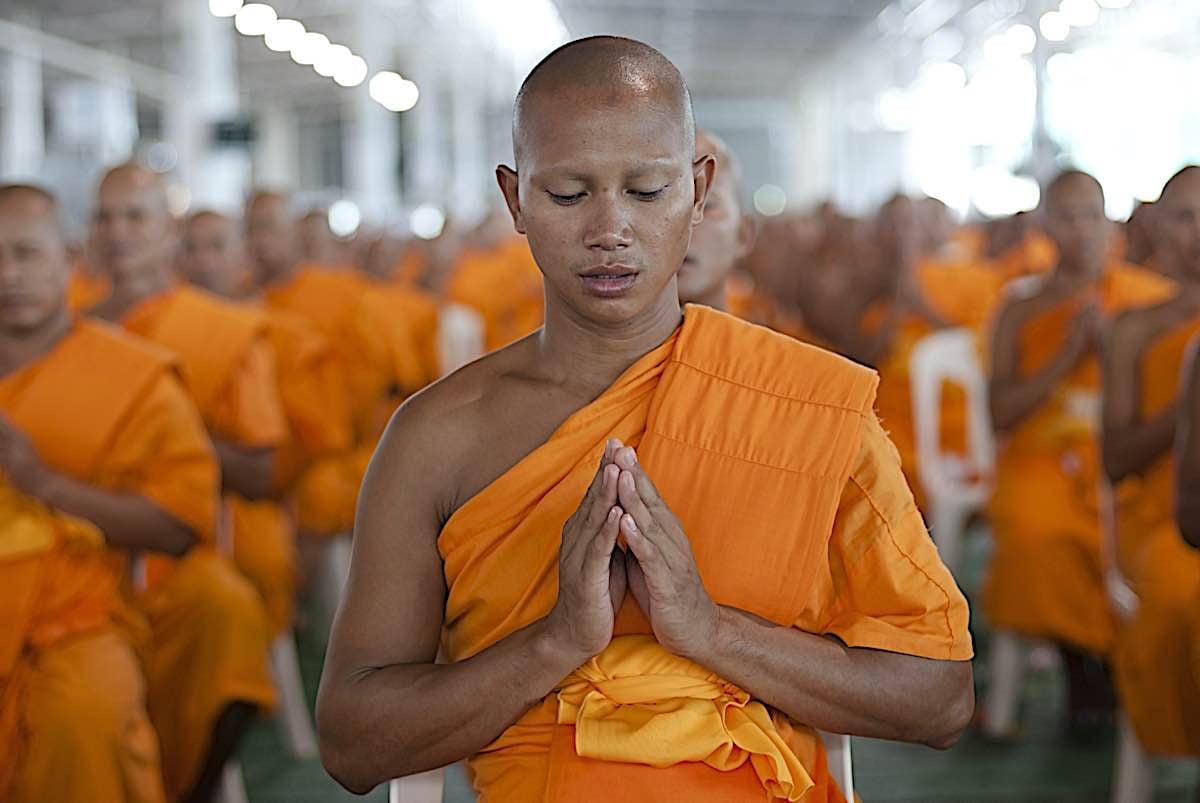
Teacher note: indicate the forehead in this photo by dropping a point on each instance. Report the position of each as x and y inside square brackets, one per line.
[31, 215]
[1185, 191]
[128, 192]
[210, 226]
[1074, 191]
[570, 129]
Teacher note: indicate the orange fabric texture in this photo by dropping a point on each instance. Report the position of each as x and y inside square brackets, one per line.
[108, 410]
[1045, 578]
[505, 286]
[1155, 674]
[785, 452]
[86, 288]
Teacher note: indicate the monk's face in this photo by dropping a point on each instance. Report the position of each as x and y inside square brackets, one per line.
[1178, 224]
[316, 240]
[937, 222]
[132, 232]
[34, 266]
[719, 241]
[270, 236]
[212, 254]
[1075, 220]
[607, 193]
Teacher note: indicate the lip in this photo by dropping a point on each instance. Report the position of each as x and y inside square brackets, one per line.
[608, 281]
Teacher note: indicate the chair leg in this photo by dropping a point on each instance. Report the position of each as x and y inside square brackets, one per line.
[1133, 780]
[426, 787]
[334, 571]
[1007, 666]
[295, 722]
[948, 521]
[233, 787]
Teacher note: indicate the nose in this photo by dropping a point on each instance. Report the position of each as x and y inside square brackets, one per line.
[609, 228]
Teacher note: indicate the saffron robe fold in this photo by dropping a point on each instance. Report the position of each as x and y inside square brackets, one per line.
[505, 286]
[768, 452]
[109, 410]
[1157, 678]
[1045, 578]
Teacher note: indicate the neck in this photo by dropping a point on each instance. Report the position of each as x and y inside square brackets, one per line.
[280, 274]
[589, 356]
[17, 350]
[127, 292]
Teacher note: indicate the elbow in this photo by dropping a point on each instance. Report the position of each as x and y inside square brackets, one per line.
[342, 760]
[951, 720]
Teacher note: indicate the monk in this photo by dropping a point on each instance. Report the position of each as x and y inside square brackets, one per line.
[318, 245]
[1144, 354]
[1046, 579]
[230, 373]
[723, 238]
[313, 394]
[73, 720]
[687, 540]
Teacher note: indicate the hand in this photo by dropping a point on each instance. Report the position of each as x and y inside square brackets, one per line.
[20, 461]
[1087, 330]
[591, 569]
[663, 577]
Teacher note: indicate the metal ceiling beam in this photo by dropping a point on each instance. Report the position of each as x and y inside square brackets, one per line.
[89, 62]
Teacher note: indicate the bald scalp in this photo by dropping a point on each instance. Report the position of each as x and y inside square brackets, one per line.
[1189, 174]
[30, 199]
[604, 71]
[131, 175]
[1071, 180]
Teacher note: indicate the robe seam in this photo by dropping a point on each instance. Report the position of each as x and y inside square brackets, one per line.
[891, 535]
[707, 450]
[846, 407]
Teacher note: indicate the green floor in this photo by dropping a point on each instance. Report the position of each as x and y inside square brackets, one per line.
[1042, 767]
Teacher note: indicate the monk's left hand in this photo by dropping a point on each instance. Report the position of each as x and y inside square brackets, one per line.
[664, 579]
[20, 461]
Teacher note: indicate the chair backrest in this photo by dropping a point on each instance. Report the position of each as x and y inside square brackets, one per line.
[949, 356]
[460, 337]
[427, 787]
[1121, 597]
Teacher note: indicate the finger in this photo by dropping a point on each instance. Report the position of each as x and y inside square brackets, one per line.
[647, 553]
[634, 506]
[601, 547]
[601, 496]
[627, 459]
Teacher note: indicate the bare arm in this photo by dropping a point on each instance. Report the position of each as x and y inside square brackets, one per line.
[824, 684]
[1012, 397]
[1188, 452]
[248, 472]
[1130, 442]
[385, 708]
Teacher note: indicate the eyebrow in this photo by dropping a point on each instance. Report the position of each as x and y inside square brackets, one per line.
[645, 168]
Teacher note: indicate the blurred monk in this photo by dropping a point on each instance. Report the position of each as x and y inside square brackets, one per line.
[318, 245]
[723, 238]
[73, 435]
[230, 374]
[1045, 578]
[1144, 355]
[640, 526]
[315, 402]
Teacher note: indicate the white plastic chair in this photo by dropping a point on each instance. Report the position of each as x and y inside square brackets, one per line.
[956, 488]
[427, 787]
[460, 337]
[331, 578]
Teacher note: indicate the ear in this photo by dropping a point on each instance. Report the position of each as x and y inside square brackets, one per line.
[507, 178]
[747, 234]
[703, 170]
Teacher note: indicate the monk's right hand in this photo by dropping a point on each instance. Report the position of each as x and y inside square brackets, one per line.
[591, 569]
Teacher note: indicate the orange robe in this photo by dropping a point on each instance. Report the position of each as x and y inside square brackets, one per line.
[86, 288]
[504, 285]
[73, 721]
[797, 511]
[1046, 577]
[229, 366]
[109, 410]
[1153, 658]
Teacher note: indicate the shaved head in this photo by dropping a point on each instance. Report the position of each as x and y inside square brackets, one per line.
[270, 236]
[132, 234]
[608, 183]
[317, 243]
[212, 256]
[602, 71]
[1072, 181]
[1177, 224]
[1073, 217]
[34, 263]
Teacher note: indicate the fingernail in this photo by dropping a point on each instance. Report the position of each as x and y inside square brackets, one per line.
[614, 513]
[629, 523]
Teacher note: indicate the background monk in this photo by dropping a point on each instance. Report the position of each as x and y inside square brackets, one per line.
[1144, 354]
[230, 374]
[73, 721]
[318, 245]
[756, 549]
[1045, 577]
[723, 238]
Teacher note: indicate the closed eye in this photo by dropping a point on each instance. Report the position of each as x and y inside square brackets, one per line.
[651, 195]
[565, 200]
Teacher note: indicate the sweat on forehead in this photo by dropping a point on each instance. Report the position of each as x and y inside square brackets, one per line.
[604, 71]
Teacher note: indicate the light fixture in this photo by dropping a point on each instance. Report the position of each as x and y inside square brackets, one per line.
[224, 8]
[331, 59]
[1114, 3]
[426, 221]
[770, 200]
[344, 218]
[1054, 26]
[393, 92]
[1079, 13]
[352, 72]
[309, 48]
[283, 35]
[254, 19]
[1021, 38]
